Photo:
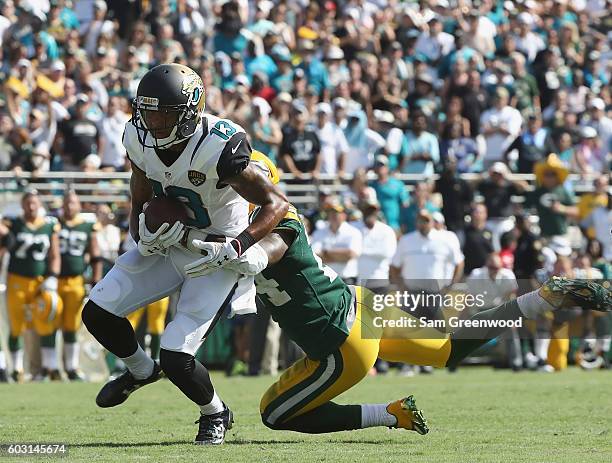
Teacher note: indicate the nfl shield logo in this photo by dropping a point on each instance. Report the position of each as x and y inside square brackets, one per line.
[195, 177]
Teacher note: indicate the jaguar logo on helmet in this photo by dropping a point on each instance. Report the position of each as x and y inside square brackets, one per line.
[193, 88]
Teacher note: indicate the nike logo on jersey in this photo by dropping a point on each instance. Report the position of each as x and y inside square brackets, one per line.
[235, 148]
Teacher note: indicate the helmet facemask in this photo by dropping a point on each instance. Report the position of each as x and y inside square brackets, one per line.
[166, 125]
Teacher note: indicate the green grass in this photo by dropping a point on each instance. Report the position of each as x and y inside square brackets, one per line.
[476, 415]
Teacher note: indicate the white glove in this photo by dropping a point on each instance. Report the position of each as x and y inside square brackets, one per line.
[49, 284]
[157, 242]
[217, 255]
[251, 262]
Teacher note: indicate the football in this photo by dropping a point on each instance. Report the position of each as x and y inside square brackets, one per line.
[162, 209]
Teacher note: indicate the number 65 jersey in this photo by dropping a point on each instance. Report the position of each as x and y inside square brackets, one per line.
[216, 151]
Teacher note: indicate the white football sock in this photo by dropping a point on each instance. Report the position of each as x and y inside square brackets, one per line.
[139, 364]
[376, 415]
[71, 356]
[214, 406]
[541, 348]
[17, 359]
[602, 345]
[49, 358]
[532, 304]
[2, 360]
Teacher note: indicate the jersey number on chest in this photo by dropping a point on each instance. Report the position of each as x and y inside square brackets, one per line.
[73, 242]
[36, 246]
[190, 198]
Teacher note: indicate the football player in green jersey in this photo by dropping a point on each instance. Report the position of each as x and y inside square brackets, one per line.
[32, 299]
[78, 249]
[334, 324]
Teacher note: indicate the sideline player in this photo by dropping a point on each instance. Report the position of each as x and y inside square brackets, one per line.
[333, 324]
[178, 150]
[77, 241]
[32, 299]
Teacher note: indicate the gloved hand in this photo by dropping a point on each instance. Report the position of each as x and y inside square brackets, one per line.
[159, 241]
[49, 284]
[253, 261]
[217, 255]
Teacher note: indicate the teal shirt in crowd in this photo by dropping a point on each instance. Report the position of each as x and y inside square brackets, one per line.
[391, 195]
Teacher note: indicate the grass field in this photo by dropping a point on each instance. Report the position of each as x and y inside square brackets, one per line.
[476, 415]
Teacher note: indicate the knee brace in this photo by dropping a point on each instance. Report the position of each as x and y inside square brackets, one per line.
[113, 332]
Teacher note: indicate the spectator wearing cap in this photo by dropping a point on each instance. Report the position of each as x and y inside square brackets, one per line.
[359, 191]
[391, 192]
[527, 42]
[497, 190]
[338, 243]
[385, 126]
[478, 33]
[422, 258]
[79, 134]
[266, 135]
[423, 98]
[334, 146]
[500, 125]
[591, 157]
[190, 20]
[300, 149]
[379, 245]
[336, 68]
[552, 201]
[282, 80]
[525, 92]
[261, 25]
[420, 199]
[434, 43]
[93, 30]
[112, 125]
[598, 120]
[477, 244]
[420, 152]
[531, 145]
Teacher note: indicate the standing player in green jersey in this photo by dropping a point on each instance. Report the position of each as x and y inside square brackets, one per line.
[31, 296]
[78, 249]
[334, 324]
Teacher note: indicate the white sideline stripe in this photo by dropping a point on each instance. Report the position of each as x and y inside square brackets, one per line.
[294, 400]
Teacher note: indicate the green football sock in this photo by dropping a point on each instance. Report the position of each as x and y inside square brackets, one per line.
[155, 345]
[329, 417]
[466, 340]
[15, 343]
[47, 341]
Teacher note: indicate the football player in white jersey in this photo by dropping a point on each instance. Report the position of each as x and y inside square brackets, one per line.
[179, 151]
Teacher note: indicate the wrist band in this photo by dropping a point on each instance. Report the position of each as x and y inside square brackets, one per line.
[243, 242]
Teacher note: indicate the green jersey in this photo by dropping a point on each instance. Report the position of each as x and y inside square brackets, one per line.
[75, 237]
[31, 246]
[307, 299]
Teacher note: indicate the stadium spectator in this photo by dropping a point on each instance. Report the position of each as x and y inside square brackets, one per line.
[334, 147]
[419, 200]
[477, 244]
[391, 193]
[338, 243]
[531, 145]
[457, 195]
[379, 244]
[421, 152]
[80, 135]
[301, 148]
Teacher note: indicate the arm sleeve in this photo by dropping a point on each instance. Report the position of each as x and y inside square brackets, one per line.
[234, 158]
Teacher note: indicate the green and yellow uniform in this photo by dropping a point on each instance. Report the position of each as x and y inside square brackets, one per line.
[27, 269]
[75, 240]
[332, 323]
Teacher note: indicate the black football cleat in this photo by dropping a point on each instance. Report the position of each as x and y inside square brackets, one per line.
[3, 376]
[75, 375]
[213, 427]
[117, 391]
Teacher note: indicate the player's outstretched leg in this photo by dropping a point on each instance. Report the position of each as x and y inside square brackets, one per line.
[117, 336]
[192, 378]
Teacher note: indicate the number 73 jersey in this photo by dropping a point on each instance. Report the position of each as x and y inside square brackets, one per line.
[216, 151]
[31, 246]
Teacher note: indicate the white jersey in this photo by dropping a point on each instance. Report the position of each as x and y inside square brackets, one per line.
[216, 151]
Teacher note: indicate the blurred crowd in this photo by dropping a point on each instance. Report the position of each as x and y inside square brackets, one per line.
[357, 90]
